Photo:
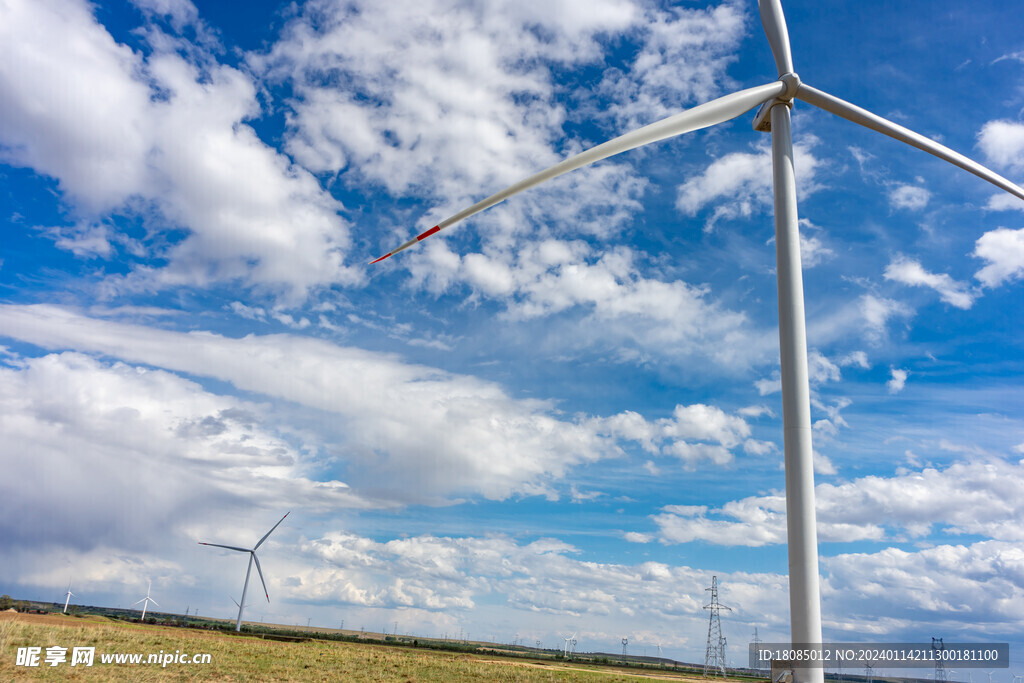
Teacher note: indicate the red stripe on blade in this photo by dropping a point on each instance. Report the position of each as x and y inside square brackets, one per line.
[379, 259]
[428, 233]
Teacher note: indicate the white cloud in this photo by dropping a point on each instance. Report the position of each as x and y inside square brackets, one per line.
[1003, 249]
[552, 276]
[813, 251]
[439, 96]
[131, 436]
[1004, 202]
[820, 369]
[538, 578]
[910, 272]
[876, 313]
[909, 197]
[693, 434]
[740, 183]
[753, 523]
[823, 465]
[1003, 143]
[858, 358]
[682, 61]
[898, 381]
[162, 139]
[964, 498]
[975, 587]
[407, 431]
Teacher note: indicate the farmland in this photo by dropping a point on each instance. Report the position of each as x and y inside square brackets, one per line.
[252, 658]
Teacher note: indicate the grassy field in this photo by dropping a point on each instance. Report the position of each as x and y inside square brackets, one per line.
[243, 658]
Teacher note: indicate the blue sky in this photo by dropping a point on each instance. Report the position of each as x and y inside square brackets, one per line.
[562, 415]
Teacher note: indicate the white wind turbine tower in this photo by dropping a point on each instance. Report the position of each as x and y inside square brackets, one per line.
[252, 558]
[570, 639]
[146, 600]
[775, 99]
[67, 597]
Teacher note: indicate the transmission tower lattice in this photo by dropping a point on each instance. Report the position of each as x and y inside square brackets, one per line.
[625, 642]
[940, 668]
[714, 656]
[756, 644]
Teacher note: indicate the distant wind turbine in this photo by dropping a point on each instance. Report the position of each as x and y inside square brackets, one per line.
[570, 639]
[67, 598]
[252, 558]
[146, 600]
[775, 100]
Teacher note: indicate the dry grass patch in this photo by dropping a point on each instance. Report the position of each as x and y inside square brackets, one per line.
[240, 658]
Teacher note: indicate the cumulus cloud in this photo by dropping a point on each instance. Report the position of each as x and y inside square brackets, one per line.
[552, 276]
[1003, 143]
[543, 576]
[162, 139]
[1003, 249]
[133, 437]
[813, 251]
[909, 197]
[693, 434]
[408, 432]
[964, 498]
[898, 381]
[740, 183]
[911, 272]
[858, 358]
[682, 60]
[972, 587]
[876, 313]
[440, 97]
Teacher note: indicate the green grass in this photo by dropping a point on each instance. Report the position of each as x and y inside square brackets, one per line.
[242, 658]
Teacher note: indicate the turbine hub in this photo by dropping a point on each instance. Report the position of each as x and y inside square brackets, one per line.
[792, 81]
[763, 119]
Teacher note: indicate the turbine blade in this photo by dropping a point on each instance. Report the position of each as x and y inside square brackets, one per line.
[265, 591]
[138, 601]
[852, 112]
[774, 22]
[154, 602]
[229, 547]
[271, 531]
[704, 115]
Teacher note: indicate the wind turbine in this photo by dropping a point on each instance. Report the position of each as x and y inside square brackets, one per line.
[570, 639]
[146, 600]
[67, 597]
[775, 100]
[252, 558]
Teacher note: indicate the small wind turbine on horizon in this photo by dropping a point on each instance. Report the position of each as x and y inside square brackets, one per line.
[570, 639]
[775, 100]
[67, 598]
[252, 558]
[146, 600]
